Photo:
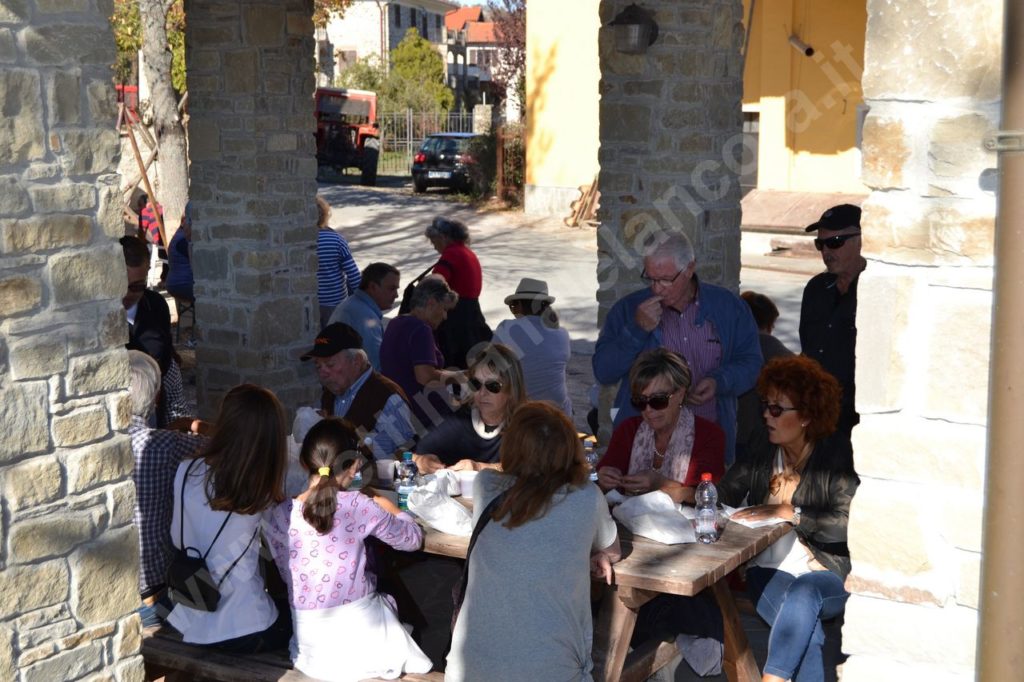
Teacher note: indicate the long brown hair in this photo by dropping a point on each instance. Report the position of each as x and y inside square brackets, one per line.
[247, 455]
[541, 450]
[331, 443]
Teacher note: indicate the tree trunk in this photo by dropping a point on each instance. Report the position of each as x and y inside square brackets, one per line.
[172, 163]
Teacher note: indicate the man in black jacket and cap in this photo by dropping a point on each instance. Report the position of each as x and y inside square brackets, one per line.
[828, 313]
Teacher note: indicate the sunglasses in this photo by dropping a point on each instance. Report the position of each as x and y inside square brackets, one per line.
[834, 242]
[492, 385]
[658, 401]
[137, 287]
[774, 409]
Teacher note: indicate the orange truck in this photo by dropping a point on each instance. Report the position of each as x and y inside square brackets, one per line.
[347, 133]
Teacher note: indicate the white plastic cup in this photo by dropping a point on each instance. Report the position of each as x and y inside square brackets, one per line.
[466, 479]
[385, 471]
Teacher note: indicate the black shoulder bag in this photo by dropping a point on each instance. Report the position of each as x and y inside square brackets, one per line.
[189, 582]
[406, 305]
[459, 591]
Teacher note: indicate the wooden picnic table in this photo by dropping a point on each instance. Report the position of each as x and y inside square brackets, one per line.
[649, 568]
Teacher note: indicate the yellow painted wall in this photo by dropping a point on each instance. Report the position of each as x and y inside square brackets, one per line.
[807, 105]
[562, 75]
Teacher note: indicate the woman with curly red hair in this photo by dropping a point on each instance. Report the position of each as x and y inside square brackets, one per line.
[807, 479]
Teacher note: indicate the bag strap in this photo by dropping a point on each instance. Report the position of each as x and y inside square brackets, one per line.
[481, 522]
[181, 518]
[424, 273]
[235, 562]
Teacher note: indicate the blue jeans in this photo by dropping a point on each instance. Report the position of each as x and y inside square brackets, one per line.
[794, 608]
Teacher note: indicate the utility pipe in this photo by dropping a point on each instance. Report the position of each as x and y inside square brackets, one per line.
[1000, 649]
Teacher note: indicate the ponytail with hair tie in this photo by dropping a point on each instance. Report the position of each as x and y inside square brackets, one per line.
[324, 450]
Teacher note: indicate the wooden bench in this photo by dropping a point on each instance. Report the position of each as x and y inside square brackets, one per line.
[166, 656]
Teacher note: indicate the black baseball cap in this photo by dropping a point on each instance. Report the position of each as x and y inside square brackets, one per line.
[837, 218]
[333, 339]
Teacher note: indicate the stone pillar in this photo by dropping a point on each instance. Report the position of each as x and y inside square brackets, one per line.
[68, 562]
[924, 312]
[670, 128]
[251, 143]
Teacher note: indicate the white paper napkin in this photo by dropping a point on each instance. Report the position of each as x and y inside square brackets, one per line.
[655, 516]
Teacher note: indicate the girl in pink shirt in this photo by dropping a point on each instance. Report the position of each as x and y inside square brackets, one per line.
[317, 541]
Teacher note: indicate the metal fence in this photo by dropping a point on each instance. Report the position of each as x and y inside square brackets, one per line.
[402, 133]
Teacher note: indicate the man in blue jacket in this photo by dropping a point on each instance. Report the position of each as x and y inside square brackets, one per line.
[708, 325]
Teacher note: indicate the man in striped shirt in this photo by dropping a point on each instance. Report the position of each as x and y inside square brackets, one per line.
[337, 274]
[711, 327]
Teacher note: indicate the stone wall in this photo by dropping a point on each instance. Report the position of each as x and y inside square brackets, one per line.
[924, 322]
[251, 143]
[68, 561]
[670, 129]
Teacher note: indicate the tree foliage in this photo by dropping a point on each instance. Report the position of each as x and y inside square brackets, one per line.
[126, 22]
[366, 73]
[415, 81]
[323, 9]
[417, 74]
[510, 30]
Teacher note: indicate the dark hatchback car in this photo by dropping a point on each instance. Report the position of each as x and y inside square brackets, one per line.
[444, 160]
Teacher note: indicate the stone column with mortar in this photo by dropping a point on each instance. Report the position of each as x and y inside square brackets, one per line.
[670, 127]
[932, 80]
[671, 143]
[252, 150]
[69, 557]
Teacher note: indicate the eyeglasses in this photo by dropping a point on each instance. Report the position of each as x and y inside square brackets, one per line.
[137, 287]
[492, 385]
[835, 242]
[657, 280]
[657, 401]
[774, 409]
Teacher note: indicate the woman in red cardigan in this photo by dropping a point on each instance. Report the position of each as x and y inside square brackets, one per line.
[465, 328]
[667, 447]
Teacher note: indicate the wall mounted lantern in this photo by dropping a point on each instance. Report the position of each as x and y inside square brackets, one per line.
[635, 30]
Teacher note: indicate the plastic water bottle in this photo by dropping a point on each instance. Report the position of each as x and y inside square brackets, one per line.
[405, 480]
[592, 459]
[706, 501]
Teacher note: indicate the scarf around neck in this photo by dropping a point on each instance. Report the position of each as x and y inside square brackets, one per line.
[676, 461]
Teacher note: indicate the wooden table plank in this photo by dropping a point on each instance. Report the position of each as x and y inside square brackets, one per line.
[647, 565]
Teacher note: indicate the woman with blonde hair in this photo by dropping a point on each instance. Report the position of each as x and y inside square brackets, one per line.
[471, 437]
[318, 544]
[526, 612]
[219, 500]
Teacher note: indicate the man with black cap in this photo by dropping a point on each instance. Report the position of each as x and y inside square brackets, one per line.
[352, 389]
[828, 314]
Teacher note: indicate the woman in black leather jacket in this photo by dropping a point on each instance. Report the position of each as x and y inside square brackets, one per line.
[804, 478]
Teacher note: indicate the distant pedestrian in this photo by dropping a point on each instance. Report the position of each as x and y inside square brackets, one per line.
[337, 274]
[465, 326]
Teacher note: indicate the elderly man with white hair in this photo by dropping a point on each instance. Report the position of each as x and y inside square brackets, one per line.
[374, 404]
[157, 453]
[711, 327]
